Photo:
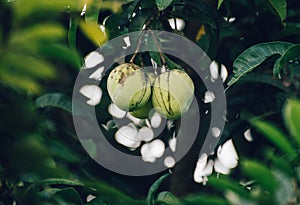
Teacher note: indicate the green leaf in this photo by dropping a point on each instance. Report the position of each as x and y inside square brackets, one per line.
[25, 8]
[92, 11]
[67, 196]
[57, 100]
[275, 135]
[38, 32]
[290, 54]
[260, 173]
[29, 66]
[254, 56]
[224, 183]
[163, 4]
[279, 162]
[112, 24]
[61, 181]
[153, 189]
[279, 7]
[139, 20]
[96, 201]
[220, 3]
[90, 147]
[264, 78]
[199, 11]
[204, 200]
[291, 115]
[72, 33]
[171, 64]
[60, 52]
[93, 32]
[167, 198]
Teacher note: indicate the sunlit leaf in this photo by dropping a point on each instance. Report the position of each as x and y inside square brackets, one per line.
[25, 8]
[93, 32]
[291, 114]
[92, 11]
[20, 82]
[29, 66]
[220, 3]
[254, 56]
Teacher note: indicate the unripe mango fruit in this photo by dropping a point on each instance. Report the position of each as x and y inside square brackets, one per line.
[129, 87]
[144, 111]
[173, 93]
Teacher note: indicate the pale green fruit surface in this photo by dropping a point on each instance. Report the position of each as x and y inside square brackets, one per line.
[173, 93]
[128, 87]
[144, 111]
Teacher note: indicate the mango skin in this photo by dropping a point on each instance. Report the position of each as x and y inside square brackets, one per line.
[144, 111]
[129, 87]
[173, 93]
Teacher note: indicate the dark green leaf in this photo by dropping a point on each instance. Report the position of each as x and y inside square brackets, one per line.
[61, 181]
[167, 198]
[254, 56]
[163, 4]
[290, 54]
[278, 7]
[72, 33]
[264, 78]
[204, 200]
[199, 11]
[96, 201]
[153, 189]
[291, 114]
[54, 100]
[67, 196]
[139, 20]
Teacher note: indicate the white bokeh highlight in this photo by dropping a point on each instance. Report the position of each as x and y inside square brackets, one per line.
[93, 92]
[146, 134]
[128, 136]
[209, 97]
[92, 59]
[115, 111]
[153, 150]
[169, 162]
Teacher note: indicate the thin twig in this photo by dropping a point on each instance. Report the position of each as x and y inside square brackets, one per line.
[175, 23]
[147, 24]
[162, 57]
